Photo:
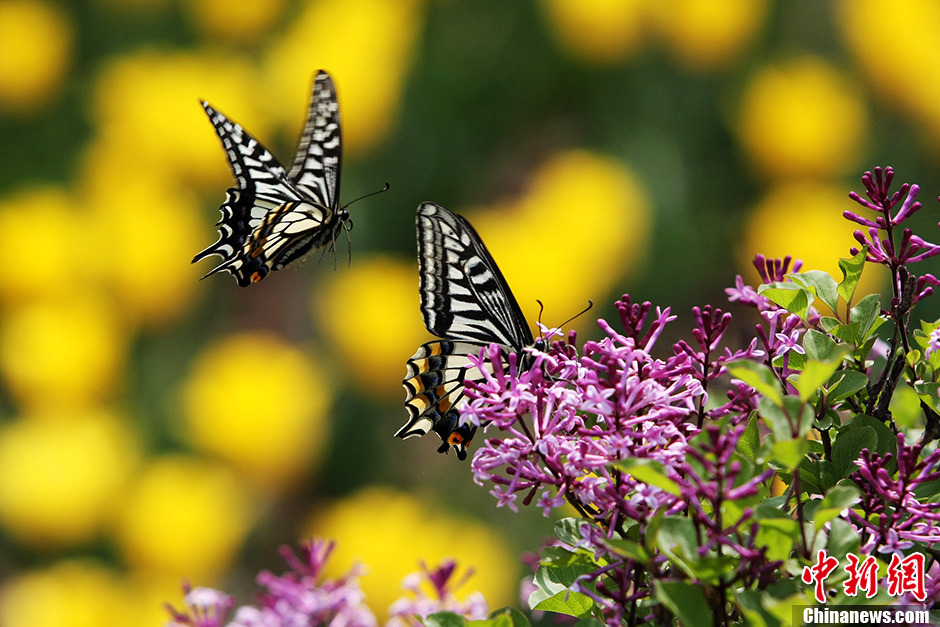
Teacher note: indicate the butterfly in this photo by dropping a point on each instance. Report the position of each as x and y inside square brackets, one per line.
[273, 218]
[466, 302]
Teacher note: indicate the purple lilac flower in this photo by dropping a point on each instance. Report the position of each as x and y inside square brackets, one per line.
[409, 610]
[565, 418]
[933, 342]
[205, 607]
[888, 249]
[892, 517]
[301, 596]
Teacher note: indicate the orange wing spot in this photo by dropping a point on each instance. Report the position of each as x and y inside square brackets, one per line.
[255, 277]
[435, 349]
[455, 438]
[259, 248]
[444, 403]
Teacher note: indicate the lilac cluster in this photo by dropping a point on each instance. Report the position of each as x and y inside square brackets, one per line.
[407, 611]
[301, 596]
[893, 517]
[565, 418]
[304, 596]
[890, 250]
[569, 416]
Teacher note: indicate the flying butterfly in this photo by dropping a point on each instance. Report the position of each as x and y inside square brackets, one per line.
[466, 302]
[273, 218]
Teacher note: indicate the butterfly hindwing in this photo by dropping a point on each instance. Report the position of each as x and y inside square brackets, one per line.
[465, 301]
[434, 383]
[272, 218]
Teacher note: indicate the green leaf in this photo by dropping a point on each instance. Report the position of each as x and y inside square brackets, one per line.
[759, 377]
[887, 440]
[444, 619]
[505, 617]
[851, 271]
[865, 313]
[789, 453]
[823, 285]
[568, 530]
[818, 345]
[649, 471]
[843, 539]
[846, 449]
[676, 538]
[686, 600]
[794, 299]
[845, 383]
[749, 442]
[553, 592]
[836, 500]
[630, 549]
[814, 374]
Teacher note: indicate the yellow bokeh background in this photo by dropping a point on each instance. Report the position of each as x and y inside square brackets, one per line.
[156, 428]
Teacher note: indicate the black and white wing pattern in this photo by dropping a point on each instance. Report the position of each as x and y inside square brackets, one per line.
[466, 302]
[273, 218]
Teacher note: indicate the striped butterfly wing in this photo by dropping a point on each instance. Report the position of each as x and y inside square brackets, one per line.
[316, 167]
[464, 300]
[272, 218]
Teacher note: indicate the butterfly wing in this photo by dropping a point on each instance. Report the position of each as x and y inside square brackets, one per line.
[466, 301]
[463, 294]
[316, 167]
[269, 221]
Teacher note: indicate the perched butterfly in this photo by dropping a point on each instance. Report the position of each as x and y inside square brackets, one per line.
[273, 218]
[465, 301]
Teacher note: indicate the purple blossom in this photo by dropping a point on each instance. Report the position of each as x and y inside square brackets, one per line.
[301, 596]
[892, 517]
[409, 610]
[205, 607]
[933, 341]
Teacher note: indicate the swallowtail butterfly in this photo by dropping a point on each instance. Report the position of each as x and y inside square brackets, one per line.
[466, 302]
[273, 218]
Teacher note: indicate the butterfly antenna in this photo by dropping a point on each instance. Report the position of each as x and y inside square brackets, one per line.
[579, 314]
[384, 189]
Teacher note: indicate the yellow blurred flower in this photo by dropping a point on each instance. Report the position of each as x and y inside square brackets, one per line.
[41, 227]
[365, 45]
[148, 229]
[260, 404]
[804, 220]
[35, 50]
[581, 227]
[598, 31]
[899, 52]
[63, 353]
[71, 593]
[146, 109]
[62, 475]
[707, 34]
[380, 324]
[184, 518]
[237, 21]
[802, 118]
[391, 532]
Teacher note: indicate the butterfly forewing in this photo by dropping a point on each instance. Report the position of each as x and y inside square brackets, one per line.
[464, 300]
[463, 294]
[316, 166]
[272, 218]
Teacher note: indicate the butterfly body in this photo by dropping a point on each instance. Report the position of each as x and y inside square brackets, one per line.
[272, 218]
[465, 301]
